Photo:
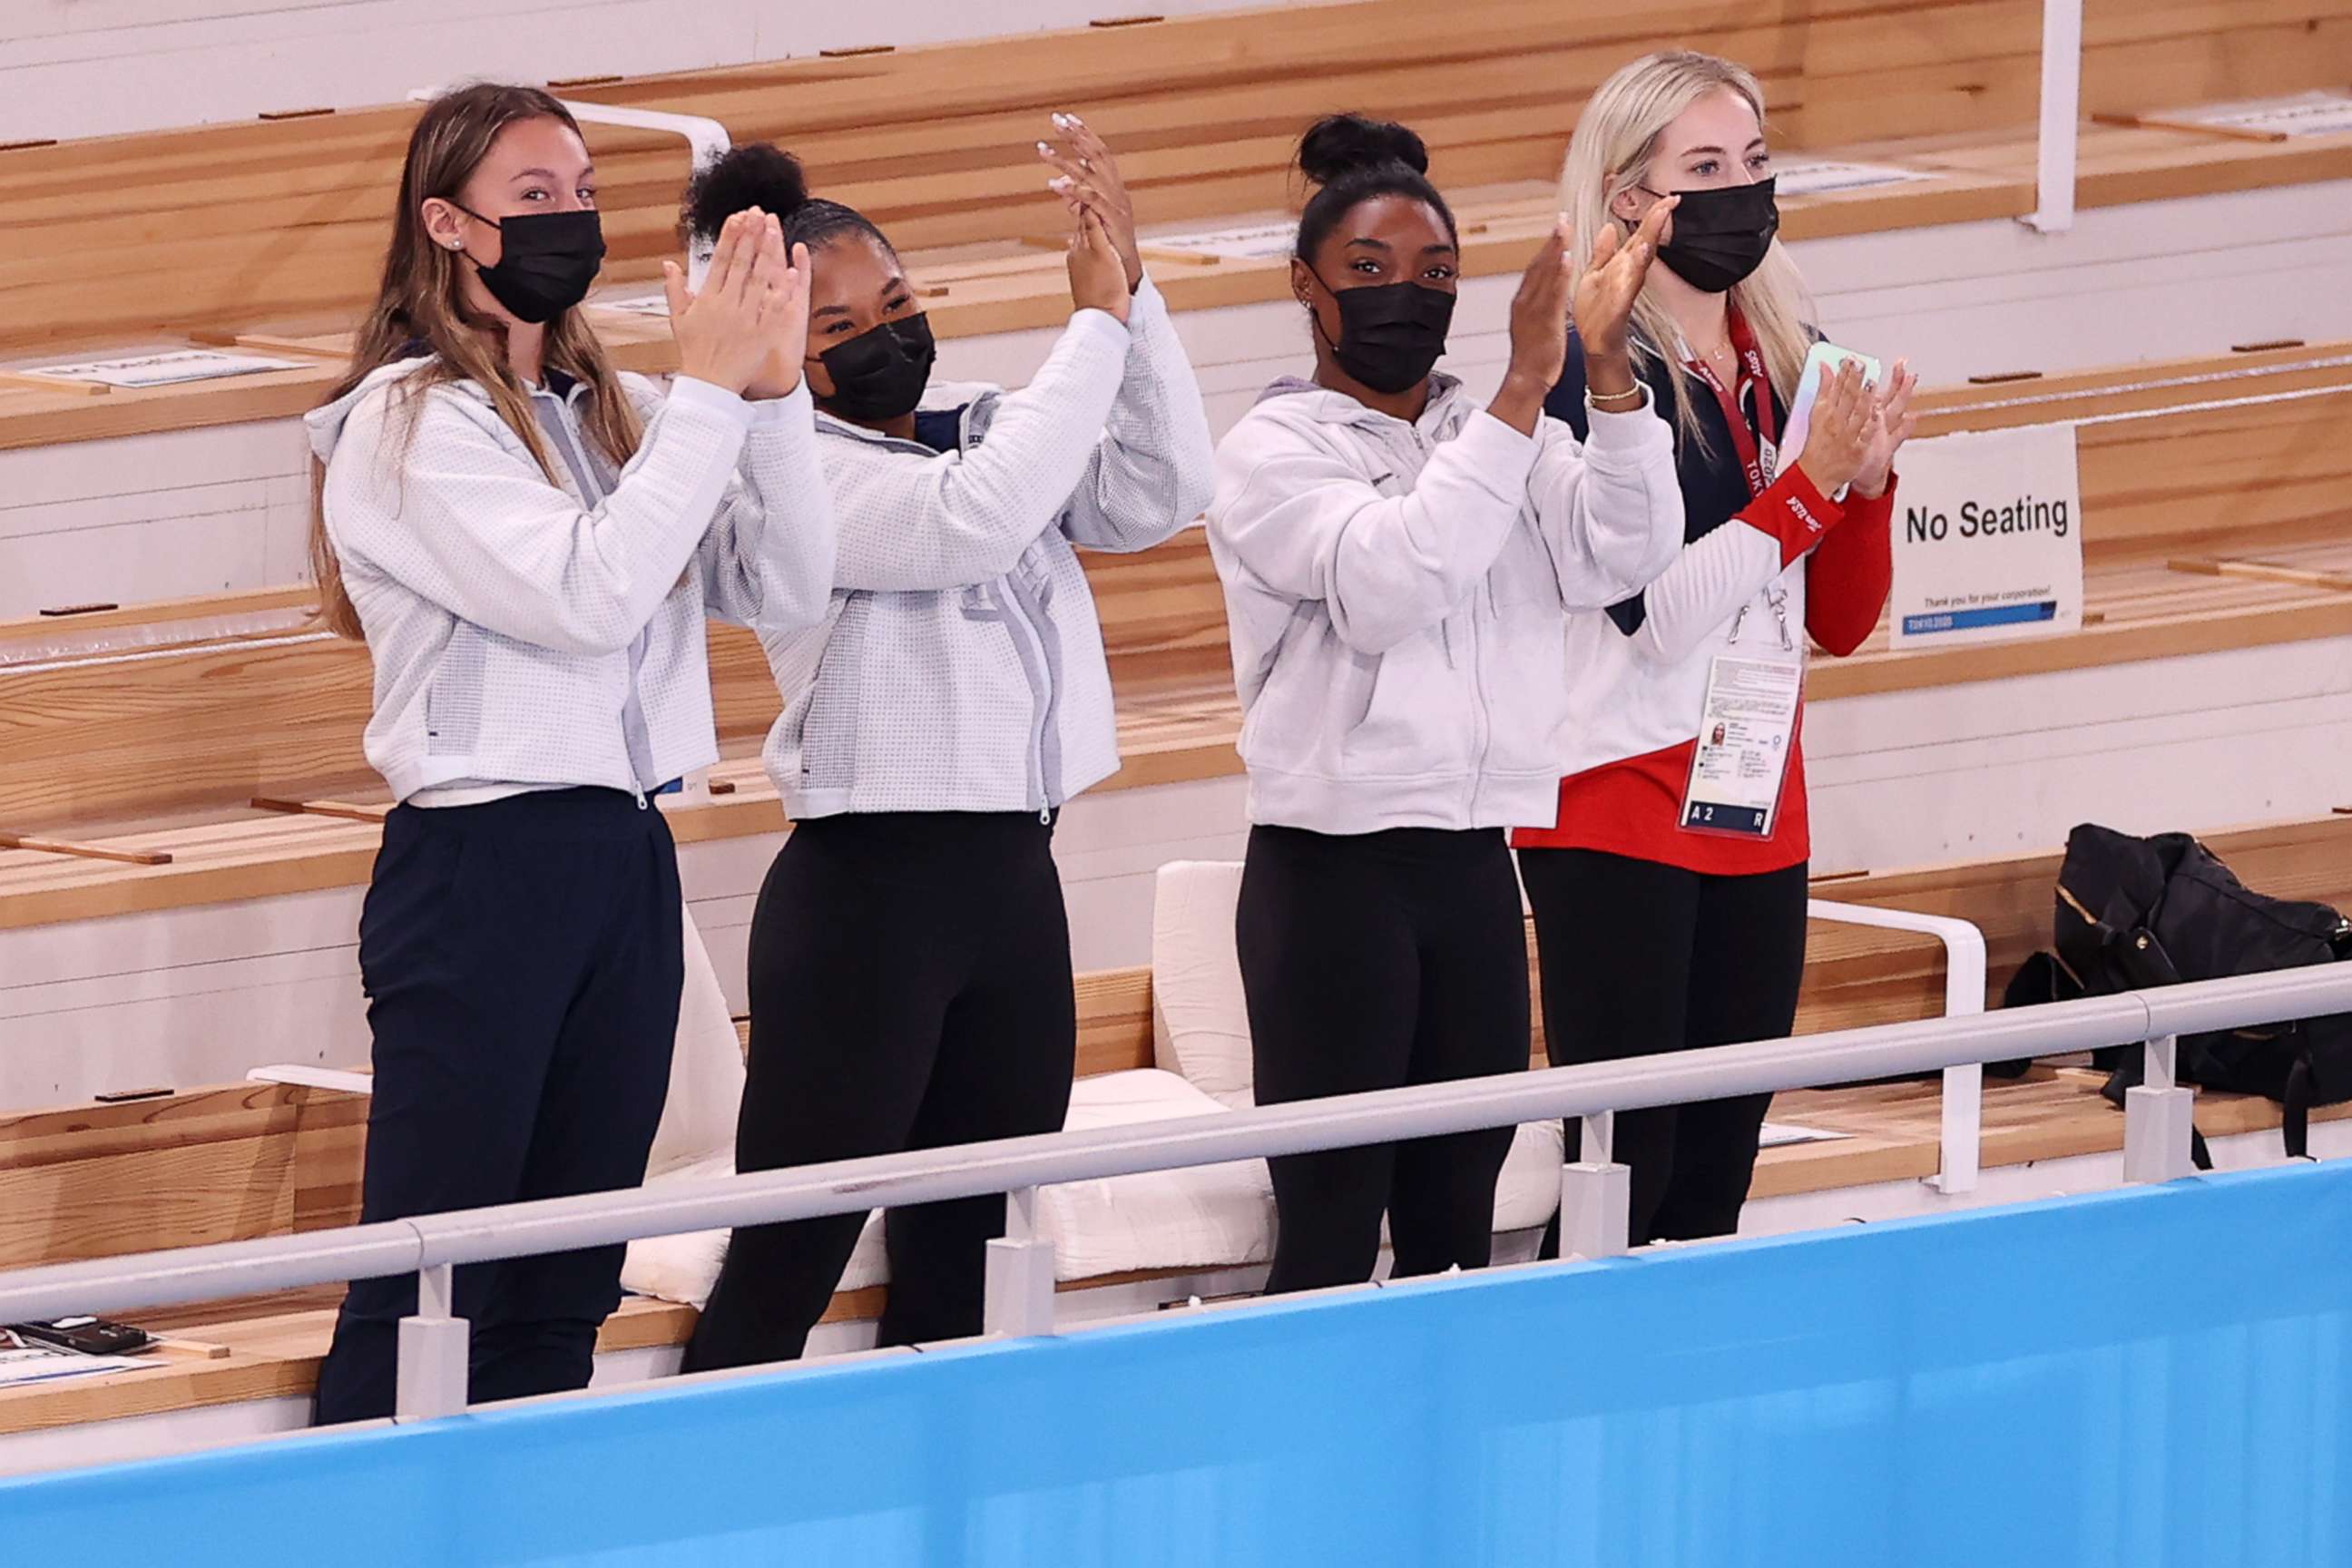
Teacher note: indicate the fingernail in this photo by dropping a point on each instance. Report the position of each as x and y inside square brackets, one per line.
[1045, 147]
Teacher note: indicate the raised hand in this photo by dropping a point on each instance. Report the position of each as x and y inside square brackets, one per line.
[1839, 438]
[1613, 279]
[1097, 275]
[1539, 315]
[1088, 180]
[723, 330]
[1891, 424]
[786, 317]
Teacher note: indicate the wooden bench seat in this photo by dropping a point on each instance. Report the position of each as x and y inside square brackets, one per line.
[257, 1160]
[201, 721]
[275, 229]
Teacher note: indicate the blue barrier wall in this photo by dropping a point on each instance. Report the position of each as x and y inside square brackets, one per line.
[2142, 1380]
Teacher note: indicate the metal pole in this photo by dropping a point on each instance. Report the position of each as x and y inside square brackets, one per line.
[1596, 1195]
[1385, 1116]
[2062, 106]
[2160, 1121]
[433, 1351]
[1020, 1284]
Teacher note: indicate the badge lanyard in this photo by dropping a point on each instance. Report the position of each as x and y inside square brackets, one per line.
[1749, 721]
[1751, 360]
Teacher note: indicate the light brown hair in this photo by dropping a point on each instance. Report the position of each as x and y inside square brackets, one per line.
[422, 301]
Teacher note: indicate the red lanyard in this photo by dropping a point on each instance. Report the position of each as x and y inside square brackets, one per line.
[1751, 362]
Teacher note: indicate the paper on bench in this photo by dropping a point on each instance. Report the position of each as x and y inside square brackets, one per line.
[168, 369]
[1788, 1134]
[1829, 176]
[1249, 242]
[40, 1363]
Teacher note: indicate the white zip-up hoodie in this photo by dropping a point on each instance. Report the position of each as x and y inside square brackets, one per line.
[536, 635]
[1398, 596]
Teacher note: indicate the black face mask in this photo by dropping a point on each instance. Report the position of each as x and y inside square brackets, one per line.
[1390, 333]
[546, 262]
[1721, 235]
[880, 374]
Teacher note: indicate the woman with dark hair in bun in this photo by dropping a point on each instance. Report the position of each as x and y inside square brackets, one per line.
[1398, 565]
[910, 956]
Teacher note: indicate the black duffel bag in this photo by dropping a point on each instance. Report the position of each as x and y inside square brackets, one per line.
[2133, 913]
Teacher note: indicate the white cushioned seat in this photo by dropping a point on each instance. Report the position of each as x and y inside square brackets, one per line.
[1207, 1217]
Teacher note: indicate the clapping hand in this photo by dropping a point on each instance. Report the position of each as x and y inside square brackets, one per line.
[1613, 279]
[1088, 180]
[1893, 420]
[752, 308]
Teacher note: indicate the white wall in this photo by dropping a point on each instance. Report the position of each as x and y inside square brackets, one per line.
[91, 67]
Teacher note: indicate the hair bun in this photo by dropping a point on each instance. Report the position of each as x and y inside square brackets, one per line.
[1339, 144]
[758, 175]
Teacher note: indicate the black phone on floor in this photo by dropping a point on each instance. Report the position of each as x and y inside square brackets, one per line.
[90, 1336]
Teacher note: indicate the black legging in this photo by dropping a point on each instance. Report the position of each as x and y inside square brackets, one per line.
[1372, 962]
[911, 988]
[1638, 958]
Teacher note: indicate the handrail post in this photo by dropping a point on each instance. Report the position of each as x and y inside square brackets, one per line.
[1960, 1140]
[1020, 1283]
[2160, 1121]
[434, 1348]
[2061, 126]
[1596, 1195]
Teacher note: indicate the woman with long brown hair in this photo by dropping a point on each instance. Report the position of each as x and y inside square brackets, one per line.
[529, 542]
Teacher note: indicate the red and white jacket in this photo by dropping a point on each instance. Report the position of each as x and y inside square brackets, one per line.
[1788, 559]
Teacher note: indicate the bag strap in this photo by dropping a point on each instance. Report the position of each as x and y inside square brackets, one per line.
[2295, 1121]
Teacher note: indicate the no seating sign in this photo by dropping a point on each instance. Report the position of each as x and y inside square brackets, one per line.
[1988, 538]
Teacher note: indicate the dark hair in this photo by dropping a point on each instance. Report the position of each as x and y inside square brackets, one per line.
[1351, 158]
[764, 176]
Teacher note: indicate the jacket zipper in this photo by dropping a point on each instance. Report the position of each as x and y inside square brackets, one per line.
[636, 736]
[1014, 616]
[1017, 616]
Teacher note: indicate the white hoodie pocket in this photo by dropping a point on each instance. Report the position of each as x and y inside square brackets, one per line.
[1411, 715]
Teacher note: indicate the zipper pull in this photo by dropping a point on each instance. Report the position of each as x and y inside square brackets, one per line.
[1044, 816]
[1781, 613]
[641, 800]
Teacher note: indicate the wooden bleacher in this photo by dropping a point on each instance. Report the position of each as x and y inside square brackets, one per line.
[257, 1159]
[272, 231]
[2204, 529]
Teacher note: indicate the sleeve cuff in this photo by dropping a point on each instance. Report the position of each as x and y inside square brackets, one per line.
[1793, 512]
[715, 400]
[1102, 324]
[768, 415]
[1484, 430]
[1146, 297]
[1626, 431]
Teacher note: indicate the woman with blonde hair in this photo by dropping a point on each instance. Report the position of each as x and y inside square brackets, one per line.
[529, 542]
[1670, 895]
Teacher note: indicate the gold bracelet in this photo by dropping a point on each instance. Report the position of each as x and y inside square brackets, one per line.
[1605, 400]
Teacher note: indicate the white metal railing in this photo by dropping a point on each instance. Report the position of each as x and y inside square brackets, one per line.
[1019, 1272]
[2061, 109]
[1960, 1140]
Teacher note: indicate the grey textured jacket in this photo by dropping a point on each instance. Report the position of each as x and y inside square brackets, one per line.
[536, 634]
[959, 665]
